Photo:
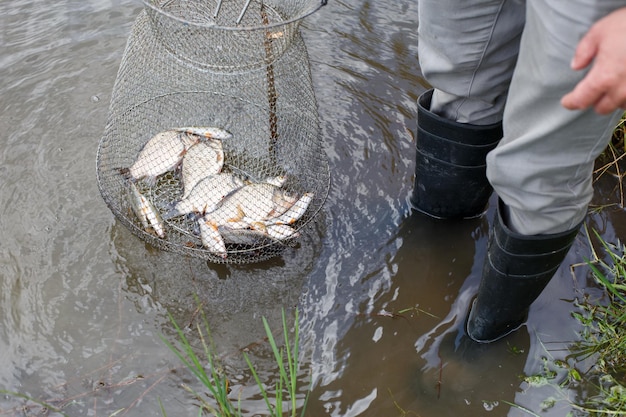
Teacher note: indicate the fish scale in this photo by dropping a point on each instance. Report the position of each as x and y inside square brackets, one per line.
[206, 195]
[201, 160]
[146, 212]
[162, 153]
[254, 201]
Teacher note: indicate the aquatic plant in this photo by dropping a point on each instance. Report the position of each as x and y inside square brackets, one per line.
[604, 335]
[288, 376]
[599, 390]
[215, 380]
[284, 393]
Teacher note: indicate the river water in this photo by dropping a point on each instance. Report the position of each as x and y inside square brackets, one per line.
[382, 293]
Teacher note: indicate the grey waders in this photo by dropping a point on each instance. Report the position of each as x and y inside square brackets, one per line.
[450, 179]
[517, 269]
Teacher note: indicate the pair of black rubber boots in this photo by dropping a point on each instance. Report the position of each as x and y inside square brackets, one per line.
[451, 182]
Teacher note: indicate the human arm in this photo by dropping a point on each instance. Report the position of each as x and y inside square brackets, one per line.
[604, 48]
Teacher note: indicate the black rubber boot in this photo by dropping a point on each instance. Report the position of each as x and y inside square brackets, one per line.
[450, 167]
[517, 269]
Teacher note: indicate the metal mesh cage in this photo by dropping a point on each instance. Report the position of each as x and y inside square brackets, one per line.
[212, 147]
[228, 34]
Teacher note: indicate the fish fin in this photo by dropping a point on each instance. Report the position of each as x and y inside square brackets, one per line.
[240, 215]
[260, 226]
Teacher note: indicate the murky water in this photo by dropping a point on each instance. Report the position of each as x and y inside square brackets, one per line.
[382, 293]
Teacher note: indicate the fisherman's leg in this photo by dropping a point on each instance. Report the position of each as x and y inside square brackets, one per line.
[467, 53]
[542, 168]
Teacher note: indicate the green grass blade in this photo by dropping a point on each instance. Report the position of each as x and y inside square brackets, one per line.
[292, 360]
[191, 360]
[162, 408]
[258, 382]
[605, 281]
[277, 352]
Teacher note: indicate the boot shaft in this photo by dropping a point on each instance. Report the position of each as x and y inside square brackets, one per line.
[517, 269]
[450, 169]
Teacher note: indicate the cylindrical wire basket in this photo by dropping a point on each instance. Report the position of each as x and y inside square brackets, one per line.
[228, 34]
[263, 99]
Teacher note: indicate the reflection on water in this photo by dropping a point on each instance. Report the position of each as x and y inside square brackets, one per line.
[233, 298]
[382, 292]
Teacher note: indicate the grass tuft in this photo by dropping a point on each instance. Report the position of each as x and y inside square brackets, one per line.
[284, 398]
[600, 390]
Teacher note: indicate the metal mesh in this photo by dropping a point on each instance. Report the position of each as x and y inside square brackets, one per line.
[213, 135]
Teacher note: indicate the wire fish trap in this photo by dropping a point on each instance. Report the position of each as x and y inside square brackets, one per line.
[228, 34]
[203, 160]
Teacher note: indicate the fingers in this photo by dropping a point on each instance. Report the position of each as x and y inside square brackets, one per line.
[605, 105]
[603, 88]
[585, 51]
[590, 93]
[585, 94]
[609, 103]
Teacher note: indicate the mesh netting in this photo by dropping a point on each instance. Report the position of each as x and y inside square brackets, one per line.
[212, 147]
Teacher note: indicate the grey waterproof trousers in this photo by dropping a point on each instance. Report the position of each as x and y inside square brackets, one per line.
[509, 60]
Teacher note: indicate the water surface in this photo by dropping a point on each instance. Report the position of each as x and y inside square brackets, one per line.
[382, 293]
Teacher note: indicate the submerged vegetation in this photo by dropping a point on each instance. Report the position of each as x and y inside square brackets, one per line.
[280, 401]
[592, 378]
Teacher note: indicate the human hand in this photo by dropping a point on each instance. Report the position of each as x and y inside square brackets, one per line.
[604, 87]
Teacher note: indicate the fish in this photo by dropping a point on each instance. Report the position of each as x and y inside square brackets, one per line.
[249, 213]
[209, 132]
[252, 202]
[211, 238]
[146, 212]
[248, 237]
[162, 153]
[275, 231]
[201, 160]
[281, 231]
[206, 195]
[294, 213]
[279, 227]
[256, 232]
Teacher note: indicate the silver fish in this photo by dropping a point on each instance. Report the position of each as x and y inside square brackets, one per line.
[206, 195]
[240, 236]
[250, 203]
[294, 213]
[146, 212]
[208, 132]
[162, 153]
[275, 231]
[256, 232]
[203, 159]
[211, 238]
[278, 227]
[281, 231]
